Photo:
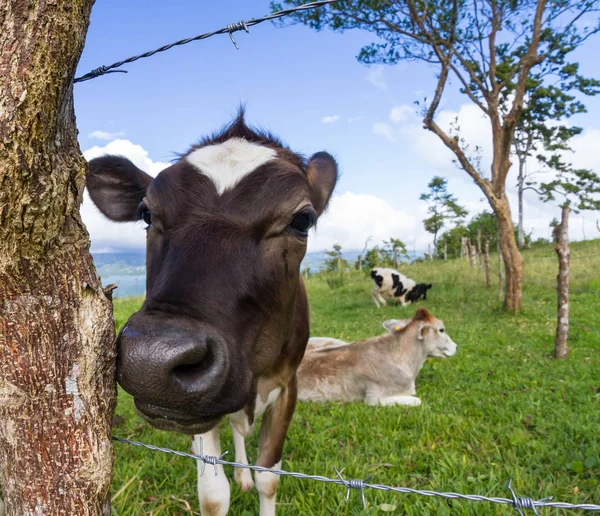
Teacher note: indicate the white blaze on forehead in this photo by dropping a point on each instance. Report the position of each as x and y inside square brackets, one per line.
[228, 162]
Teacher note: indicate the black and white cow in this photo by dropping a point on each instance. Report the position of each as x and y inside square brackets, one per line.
[395, 286]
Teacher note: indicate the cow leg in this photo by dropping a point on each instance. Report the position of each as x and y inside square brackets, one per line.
[273, 430]
[374, 298]
[409, 401]
[243, 477]
[381, 299]
[213, 491]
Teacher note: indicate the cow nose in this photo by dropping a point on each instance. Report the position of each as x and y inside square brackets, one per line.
[172, 366]
[199, 364]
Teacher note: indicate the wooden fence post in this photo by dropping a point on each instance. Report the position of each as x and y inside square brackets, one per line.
[472, 254]
[561, 234]
[446, 251]
[479, 253]
[488, 282]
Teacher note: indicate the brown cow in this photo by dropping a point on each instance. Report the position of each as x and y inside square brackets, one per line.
[225, 322]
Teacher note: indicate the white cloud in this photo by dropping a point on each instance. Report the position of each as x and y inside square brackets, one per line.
[103, 135]
[105, 234]
[329, 119]
[376, 77]
[383, 129]
[400, 113]
[351, 218]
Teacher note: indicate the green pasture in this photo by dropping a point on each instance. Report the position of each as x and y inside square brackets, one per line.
[501, 408]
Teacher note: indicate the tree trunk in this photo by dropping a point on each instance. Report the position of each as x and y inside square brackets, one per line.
[472, 254]
[520, 186]
[488, 281]
[499, 272]
[479, 253]
[513, 261]
[561, 347]
[429, 252]
[57, 356]
[396, 259]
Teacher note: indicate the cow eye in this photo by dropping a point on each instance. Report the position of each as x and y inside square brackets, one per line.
[303, 221]
[147, 217]
[442, 330]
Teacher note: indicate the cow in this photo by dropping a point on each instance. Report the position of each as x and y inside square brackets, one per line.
[225, 321]
[391, 284]
[381, 370]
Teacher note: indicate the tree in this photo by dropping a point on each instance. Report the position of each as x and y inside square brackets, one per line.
[539, 135]
[57, 356]
[443, 207]
[336, 261]
[488, 46]
[392, 250]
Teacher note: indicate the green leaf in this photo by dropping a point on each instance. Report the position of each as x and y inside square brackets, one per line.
[387, 507]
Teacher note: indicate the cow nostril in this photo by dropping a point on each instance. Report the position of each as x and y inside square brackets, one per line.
[196, 366]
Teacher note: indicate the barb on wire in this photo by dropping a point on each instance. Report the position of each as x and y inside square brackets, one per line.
[524, 503]
[229, 29]
[354, 484]
[515, 502]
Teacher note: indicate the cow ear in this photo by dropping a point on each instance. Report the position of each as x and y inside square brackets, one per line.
[423, 329]
[322, 174]
[393, 325]
[116, 186]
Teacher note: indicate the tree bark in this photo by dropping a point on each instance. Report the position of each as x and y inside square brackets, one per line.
[57, 356]
[499, 272]
[472, 254]
[479, 260]
[561, 346]
[520, 186]
[513, 260]
[488, 281]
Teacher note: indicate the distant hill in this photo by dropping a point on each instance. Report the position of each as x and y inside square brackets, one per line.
[134, 263]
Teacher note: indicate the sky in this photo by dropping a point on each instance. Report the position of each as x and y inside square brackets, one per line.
[308, 88]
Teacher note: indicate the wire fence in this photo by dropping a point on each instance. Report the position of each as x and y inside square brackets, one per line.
[516, 502]
[228, 29]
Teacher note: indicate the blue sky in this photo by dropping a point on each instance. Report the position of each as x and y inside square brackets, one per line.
[307, 87]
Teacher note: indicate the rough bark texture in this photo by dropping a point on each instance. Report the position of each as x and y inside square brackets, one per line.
[57, 378]
[499, 272]
[479, 253]
[488, 281]
[561, 347]
[520, 187]
[513, 260]
[472, 254]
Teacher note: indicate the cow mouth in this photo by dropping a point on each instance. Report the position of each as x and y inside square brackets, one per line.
[176, 421]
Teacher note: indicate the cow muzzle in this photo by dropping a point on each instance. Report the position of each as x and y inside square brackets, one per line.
[184, 376]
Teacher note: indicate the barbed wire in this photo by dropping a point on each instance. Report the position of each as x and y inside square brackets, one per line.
[553, 285]
[229, 29]
[527, 258]
[585, 327]
[517, 503]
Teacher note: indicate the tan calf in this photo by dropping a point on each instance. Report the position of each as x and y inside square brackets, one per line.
[381, 370]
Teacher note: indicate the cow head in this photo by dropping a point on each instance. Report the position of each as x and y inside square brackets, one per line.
[433, 335]
[227, 226]
[419, 291]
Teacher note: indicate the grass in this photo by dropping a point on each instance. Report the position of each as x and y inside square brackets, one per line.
[501, 408]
